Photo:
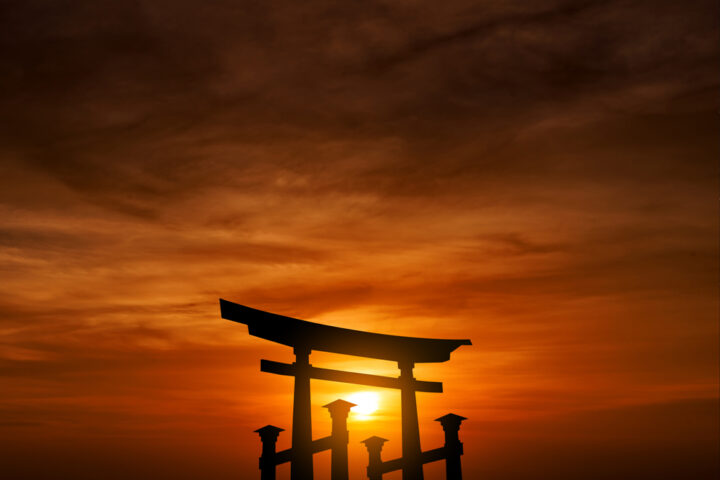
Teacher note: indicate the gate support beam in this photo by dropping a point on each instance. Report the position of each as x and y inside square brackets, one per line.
[279, 368]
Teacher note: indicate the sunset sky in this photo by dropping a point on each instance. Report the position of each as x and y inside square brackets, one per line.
[538, 176]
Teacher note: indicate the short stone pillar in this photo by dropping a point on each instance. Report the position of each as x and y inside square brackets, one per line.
[339, 410]
[268, 437]
[453, 446]
[374, 447]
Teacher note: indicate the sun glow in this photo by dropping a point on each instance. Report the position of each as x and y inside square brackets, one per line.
[367, 404]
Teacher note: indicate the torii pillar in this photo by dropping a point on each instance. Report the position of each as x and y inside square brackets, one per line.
[301, 467]
[411, 450]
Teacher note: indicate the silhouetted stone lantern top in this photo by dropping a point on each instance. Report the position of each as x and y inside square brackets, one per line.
[451, 426]
[269, 431]
[339, 408]
[374, 443]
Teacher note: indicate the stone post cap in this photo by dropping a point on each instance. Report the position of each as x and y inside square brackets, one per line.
[374, 442]
[450, 420]
[269, 431]
[339, 405]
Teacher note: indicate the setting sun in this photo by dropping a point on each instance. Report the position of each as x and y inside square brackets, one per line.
[367, 403]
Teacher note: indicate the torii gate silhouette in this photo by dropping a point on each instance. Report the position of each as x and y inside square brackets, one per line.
[306, 336]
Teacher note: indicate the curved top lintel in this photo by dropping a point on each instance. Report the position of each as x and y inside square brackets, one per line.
[326, 338]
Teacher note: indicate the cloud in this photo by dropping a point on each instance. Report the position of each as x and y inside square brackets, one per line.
[539, 177]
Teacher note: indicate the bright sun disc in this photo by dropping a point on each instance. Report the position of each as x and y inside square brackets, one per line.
[367, 403]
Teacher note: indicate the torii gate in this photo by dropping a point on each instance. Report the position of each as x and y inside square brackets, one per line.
[306, 336]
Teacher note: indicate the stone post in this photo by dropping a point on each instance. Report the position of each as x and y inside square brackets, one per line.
[453, 446]
[374, 447]
[268, 437]
[339, 410]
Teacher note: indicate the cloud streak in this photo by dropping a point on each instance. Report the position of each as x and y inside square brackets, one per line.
[539, 177]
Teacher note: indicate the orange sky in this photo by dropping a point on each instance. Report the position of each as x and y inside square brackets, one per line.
[537, 176]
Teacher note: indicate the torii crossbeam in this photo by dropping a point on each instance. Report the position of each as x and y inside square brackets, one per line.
[306, 336]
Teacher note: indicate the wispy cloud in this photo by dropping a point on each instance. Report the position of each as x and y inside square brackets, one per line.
[538, 176]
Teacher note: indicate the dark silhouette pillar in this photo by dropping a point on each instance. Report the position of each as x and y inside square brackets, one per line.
[268, 437]
[301, 467]
[374, 447]
[411, 451]
[453, 445]
[339, 410]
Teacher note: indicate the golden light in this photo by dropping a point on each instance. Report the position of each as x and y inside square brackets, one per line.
[367, 404]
